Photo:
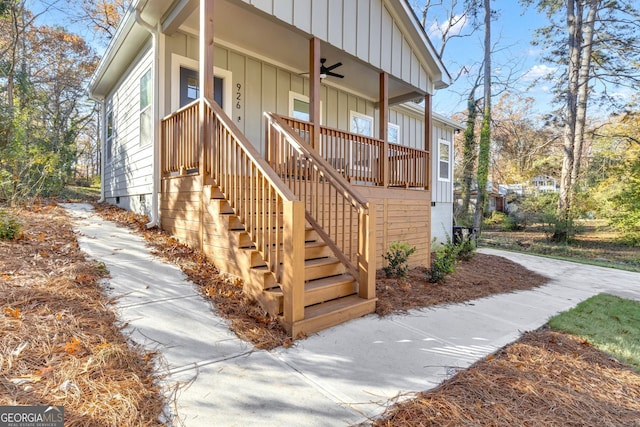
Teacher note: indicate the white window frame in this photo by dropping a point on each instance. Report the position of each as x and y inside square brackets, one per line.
[109, 140]
[365, 165]
[293, 96]
[178, 61]
[397, 128]
[448, 161]
[147, 110]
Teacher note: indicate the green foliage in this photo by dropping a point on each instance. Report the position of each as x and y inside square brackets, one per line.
[9, 226]
[610, 323]
[466, 249]
[443, 262]
[447, 255]
[397, 257]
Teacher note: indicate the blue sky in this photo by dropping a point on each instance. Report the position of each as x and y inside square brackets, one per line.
[512, 33]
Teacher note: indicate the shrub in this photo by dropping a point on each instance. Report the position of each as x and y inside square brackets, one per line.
[397, 257]
[496, 218]
[443, 261]
[9, 226]
[467, 249]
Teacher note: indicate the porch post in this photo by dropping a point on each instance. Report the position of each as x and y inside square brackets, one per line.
[205, 75]
[384, 126]
[314, 89]
[428, 136]
[206, 49]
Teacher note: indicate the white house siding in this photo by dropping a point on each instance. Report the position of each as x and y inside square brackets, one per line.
[128, 174]
[366, 29]
[442, 194]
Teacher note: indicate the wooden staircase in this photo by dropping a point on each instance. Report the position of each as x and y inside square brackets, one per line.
[330, 292]
[248, 213]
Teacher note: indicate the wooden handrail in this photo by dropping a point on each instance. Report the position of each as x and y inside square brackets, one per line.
[341, 146]
[252, 153]
[322, 188]
[348, 191]
[270, 212]
[179, 141]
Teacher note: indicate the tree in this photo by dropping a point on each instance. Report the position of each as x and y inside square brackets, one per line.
[596, 49]
[42, 109]
[103, 15]
[485, 133]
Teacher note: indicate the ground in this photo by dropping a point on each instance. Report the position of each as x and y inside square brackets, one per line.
[76, 356]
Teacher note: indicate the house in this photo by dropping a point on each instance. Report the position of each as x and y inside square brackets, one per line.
[282, 138]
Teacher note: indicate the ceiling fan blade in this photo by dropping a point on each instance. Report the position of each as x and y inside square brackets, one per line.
[332, 74]
[334, 66]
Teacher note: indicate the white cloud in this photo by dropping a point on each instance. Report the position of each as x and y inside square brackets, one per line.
[538, 71]
[457, 24]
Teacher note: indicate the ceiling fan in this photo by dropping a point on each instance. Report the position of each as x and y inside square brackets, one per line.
[327, 71]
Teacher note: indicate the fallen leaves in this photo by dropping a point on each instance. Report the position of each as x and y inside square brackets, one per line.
[59, 340]
[13, 312]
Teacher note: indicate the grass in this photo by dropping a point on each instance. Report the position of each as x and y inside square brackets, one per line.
[610, 323]
[596, 244]
[73, 193]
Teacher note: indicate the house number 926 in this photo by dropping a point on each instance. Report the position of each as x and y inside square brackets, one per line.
[238, 96]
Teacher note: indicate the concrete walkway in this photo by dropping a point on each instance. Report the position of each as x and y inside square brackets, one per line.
[341, 376]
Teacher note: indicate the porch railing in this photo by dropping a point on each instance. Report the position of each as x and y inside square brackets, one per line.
[180, 140]
[360, 159]
[343, 218]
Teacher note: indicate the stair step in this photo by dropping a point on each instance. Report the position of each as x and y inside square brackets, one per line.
[329, 288]
[322, 267]
[328, 314]
[316, 249]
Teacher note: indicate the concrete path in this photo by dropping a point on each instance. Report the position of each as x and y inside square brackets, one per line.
[341, 376]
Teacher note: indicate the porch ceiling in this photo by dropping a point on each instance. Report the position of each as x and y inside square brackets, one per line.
[246, 28]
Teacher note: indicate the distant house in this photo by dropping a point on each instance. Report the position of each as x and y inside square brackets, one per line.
[283, 139]
[544, 184]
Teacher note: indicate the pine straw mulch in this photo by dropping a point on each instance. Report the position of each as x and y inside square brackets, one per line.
[479, 277]
[545, 378]
[60, 343]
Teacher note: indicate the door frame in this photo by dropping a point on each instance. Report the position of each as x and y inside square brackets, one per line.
[178, 61]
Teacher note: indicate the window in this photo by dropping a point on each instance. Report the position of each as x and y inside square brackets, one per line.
[443, 160]
[146, 123]
[299, 107]
[361, 124]
[110, 135]
[393, 133]
[361, 153]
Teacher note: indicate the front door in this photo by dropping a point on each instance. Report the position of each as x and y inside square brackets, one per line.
[190, 87]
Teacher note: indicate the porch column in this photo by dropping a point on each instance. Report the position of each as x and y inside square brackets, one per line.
[314, 90]
[428, 136]
[206, 49]
[384, 126]
[205, 74]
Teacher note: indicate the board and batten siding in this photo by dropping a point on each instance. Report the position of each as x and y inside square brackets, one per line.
[128, 173]
[258, 86]
[364, 28]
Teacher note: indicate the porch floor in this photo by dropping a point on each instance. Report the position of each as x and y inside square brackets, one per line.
[340, 376]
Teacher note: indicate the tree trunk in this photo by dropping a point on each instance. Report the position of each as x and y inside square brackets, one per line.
[485, 133]
[583, 94]
[574, 40]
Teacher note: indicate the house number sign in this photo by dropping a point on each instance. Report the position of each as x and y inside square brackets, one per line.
[238, 98]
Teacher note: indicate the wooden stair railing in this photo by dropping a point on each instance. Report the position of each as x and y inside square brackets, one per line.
[340, 215]
[271, 213]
